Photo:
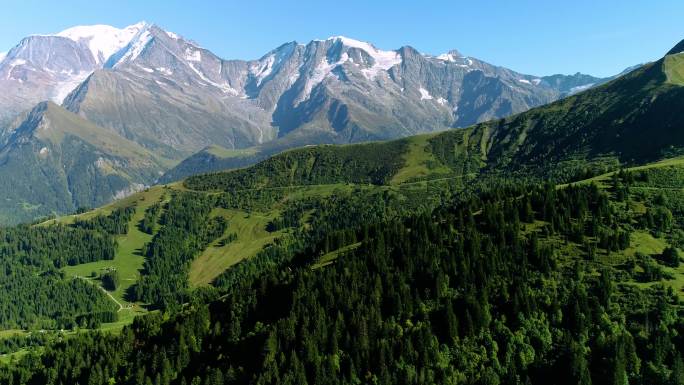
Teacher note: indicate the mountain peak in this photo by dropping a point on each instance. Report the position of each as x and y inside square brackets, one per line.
[353, 43]
[450, 56]
[104, 40]
[134, 46]
[679, 48]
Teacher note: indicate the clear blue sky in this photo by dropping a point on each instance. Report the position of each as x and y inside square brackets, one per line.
[600, 37]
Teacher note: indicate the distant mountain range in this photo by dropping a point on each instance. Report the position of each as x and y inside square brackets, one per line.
[165, 98]
[632, 120]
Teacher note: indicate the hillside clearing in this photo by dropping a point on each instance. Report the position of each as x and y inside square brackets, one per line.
[251, 238]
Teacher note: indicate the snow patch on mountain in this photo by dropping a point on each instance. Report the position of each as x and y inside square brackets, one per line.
[424, 94]
[271, 63]
[448, 57]
[225, 88]
[103, 40]
[164, 71]
[192, 54]
[18, 62]
[11, 65]
[320, 72]
[131, 51]
[64, 88]
[263, 68]
[455, 58]
[3, 55]
[383, 60]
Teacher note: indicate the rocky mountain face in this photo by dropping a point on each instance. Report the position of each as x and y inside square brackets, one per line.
[174, 97]
[48, 67]
[168, 96]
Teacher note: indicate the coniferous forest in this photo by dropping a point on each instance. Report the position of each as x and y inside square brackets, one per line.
[515, 285]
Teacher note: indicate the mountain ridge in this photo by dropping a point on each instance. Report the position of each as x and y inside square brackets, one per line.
[58, 162]
[174, 98]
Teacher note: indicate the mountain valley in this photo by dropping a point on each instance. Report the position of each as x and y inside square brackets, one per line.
[334, 213]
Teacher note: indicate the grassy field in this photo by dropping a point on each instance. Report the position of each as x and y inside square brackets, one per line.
[12, 333]
[674, 69]
[126, 317]
[251, 232]
[227, 153]
[645, 243]
[251, 238]
[14, 356]
[128, 260]
[332, 256]
[418, 160]
[604, 179]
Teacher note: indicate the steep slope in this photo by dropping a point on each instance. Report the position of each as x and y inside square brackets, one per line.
[56, 162]
[171, 96]
[48, 67]
[634, 118]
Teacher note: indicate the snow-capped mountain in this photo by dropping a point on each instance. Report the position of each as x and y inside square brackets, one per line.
[169, 94]
[172, 98]
[103, 41]
[48, 67]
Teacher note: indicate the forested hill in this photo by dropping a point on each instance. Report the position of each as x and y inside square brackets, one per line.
[635, 117]
[539, 284]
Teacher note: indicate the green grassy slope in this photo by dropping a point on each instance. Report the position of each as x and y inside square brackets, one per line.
[674, 69]
[252, 236]
[129, 259]
[634, 119]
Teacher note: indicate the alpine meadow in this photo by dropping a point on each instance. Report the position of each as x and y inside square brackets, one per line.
[335, 213]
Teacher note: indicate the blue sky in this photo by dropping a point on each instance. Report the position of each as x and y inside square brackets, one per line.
[600, 37]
